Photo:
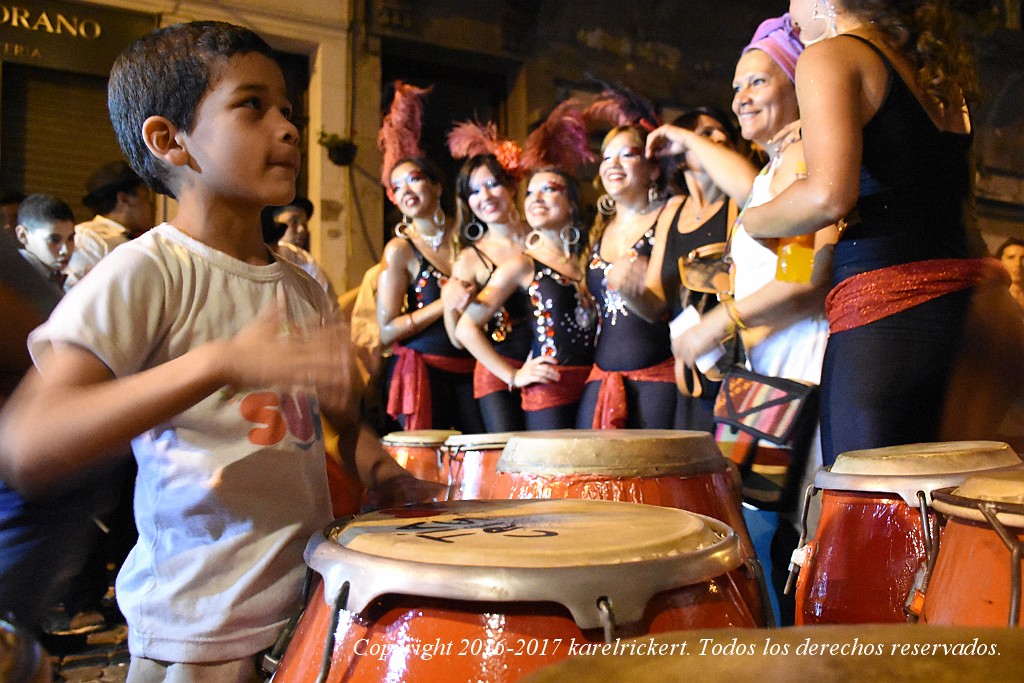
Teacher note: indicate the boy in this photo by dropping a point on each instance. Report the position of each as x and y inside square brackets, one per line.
[46, 231]
[194, 342]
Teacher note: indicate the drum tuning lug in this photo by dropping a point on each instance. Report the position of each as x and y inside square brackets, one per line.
[604, 605]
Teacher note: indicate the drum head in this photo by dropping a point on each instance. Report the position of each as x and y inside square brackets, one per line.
[570, 552]
[1004, 490]
[477, 442]
[911, 469]
[613, 452]
[418, 437]
[544, 533]
[927, 458]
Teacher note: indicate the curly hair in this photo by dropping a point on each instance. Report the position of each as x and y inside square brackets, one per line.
[928, 33]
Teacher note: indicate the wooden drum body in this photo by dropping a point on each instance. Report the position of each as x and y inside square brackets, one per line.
[469, 464]
[418, 451]
[977, 576]
[877, 528]
[493, 590]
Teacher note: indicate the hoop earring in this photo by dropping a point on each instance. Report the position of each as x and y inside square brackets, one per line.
[474, 230]
[829, 17]
[403, 227]
[606, 205]
[439, 218]
[570, 236]
[533, 239]
[653, 195]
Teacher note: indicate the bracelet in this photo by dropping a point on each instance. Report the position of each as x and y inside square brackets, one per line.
[512, 381]
[412, 320]
[734, 315]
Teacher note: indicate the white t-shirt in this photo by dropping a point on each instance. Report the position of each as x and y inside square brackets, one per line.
[93, 240]
[230, 490]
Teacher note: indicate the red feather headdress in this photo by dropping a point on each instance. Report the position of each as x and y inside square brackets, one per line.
[399, 135]
[561, 141]
[470, 138]
[617, 106]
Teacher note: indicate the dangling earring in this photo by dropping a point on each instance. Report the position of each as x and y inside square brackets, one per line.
[830, 30]
[653, 195]
[439, 217]
[533, 239]
[570, 236]
[606, 205]
[403, 227]
[474, 230]
[514, 214]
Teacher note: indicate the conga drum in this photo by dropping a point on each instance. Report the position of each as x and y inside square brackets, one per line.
[489, 590]
[469, 463]
[977, 576]
[670, 468]
[418, 451]
[877, 529]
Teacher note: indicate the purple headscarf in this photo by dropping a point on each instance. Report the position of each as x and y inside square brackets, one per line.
[777, 37]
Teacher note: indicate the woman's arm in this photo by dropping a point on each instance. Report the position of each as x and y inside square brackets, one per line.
[392, 287]
[730, 170]
[832, 105]
[457, 293]
[508, 277]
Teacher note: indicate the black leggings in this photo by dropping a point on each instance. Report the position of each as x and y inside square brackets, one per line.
[884, 384]
[558, 417]
[451, 400]
[502, 412]
[651, 405]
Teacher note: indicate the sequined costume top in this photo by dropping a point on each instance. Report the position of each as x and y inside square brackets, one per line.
[508, 329]
[625, 341]
[425, 288]
[564, 318]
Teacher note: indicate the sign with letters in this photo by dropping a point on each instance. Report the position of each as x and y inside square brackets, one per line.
[68, 36]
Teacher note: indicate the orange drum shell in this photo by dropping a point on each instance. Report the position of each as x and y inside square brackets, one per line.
[712, 494]
[470, 472]
[423, 462]
[866, 552]
[480, 641]
[970, 585]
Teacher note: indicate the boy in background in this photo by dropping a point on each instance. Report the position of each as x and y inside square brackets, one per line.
[46, 231]
[212, 356]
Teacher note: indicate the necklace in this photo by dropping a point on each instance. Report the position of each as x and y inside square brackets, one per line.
[700, 212]
[432, 241]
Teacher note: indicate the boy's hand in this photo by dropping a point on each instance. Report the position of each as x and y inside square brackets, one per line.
[271, 352]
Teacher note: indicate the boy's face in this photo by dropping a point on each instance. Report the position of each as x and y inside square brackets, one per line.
[50, 244]
[243, 145]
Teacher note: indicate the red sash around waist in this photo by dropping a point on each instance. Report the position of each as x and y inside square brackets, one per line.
[485, 383]
[568, 389]
[877, 294]
[410, 384]
[611, 411]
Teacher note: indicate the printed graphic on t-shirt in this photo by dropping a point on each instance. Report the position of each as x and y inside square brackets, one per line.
[278, 415]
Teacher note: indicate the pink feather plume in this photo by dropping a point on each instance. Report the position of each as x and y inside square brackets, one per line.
[399, 135]
[561, 141]
[620, 106]
[470, 138]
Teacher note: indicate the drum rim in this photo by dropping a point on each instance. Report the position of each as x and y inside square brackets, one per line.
[629, 585]
[906, 486]
[416, 438]
[519, 458]
[477, 442]
[963, 507]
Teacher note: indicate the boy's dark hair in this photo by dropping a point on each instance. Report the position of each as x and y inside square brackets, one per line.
[1011, 242]
[106, 183]
[166, 73]
[297, 203]
[42, 211]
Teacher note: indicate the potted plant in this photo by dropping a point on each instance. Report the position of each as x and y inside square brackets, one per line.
[341, 151]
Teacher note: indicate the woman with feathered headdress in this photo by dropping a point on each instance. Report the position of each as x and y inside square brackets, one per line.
[550, 273]
[493, 231]
[632, 384]
[416, 263]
